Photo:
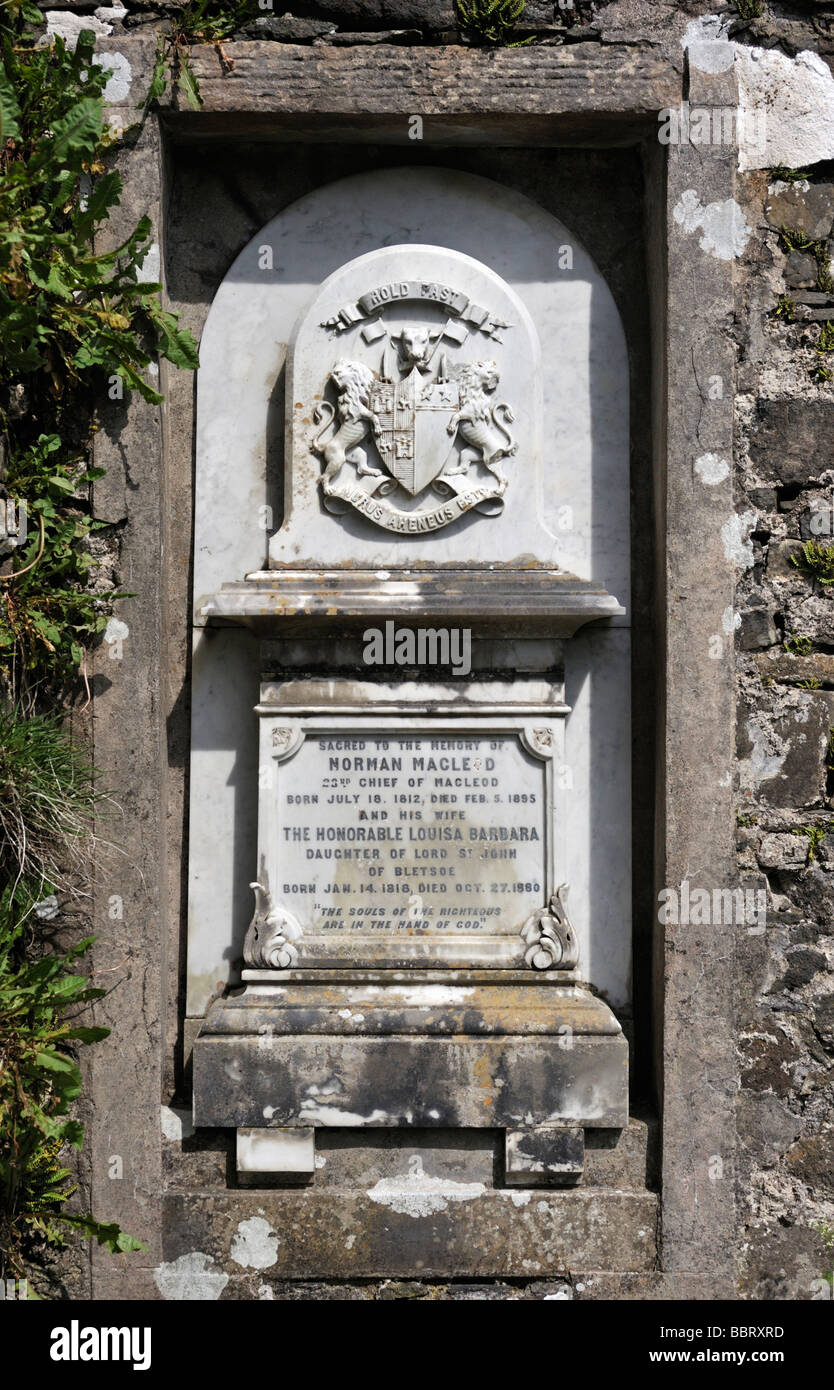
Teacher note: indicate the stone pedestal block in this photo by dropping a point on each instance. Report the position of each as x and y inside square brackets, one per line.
[542, 1061]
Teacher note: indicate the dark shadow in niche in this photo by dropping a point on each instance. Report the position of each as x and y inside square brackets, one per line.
[178, 737]
[275, 418]
[177, 726]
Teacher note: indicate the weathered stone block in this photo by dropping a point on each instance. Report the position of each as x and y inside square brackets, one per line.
[804, 209]
[286, 28]
[815, 298]
[757, 629]
[791, 440]
[279, 81]
[779, 665]
[810, 613]
[783, 756]
[764, 499]
[782, 849]
[809, 1159]
[427, 1082]
[800, 270]
[289, 1151]
[780, 559]
[622, 1158]
[815, 315]
[801, 967]
[768, 1060]
[534, 1157]
[383, 14]
[403, 1227]
[811, 890]
[824, 1020]
[766, 1126]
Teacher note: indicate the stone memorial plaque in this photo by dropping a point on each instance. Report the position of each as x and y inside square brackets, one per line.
[405, 840]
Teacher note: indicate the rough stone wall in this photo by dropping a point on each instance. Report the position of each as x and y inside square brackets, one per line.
[805, 24]
[783, 622]
[785, 640]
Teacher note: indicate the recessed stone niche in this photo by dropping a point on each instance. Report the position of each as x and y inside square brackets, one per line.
[413, 422]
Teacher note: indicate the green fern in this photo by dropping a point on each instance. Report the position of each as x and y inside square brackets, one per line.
[817, 560]
[490, 22]
[45, 1187]
[780, 173]
[786, 308]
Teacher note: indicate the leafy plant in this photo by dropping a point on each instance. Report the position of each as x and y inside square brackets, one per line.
[749, 9]
[48, 616]
[782, 174]
[68, 311]
[793, 240]
[798, 644]
[76, 323]
[199, 21]
[39, 1080]
[817, 559]
[825, 341]
[826, 1232]
[490, 22]
[785, 308]
[815, 834]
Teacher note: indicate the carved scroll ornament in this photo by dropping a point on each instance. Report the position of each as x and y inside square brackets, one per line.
[550, 937]
[272, 931]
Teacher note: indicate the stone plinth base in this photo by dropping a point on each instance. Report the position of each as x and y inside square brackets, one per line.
[414, 1228]
[528, 1055]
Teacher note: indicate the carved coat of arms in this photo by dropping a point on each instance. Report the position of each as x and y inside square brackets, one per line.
[418, 438]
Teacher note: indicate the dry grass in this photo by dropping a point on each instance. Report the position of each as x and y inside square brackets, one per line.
[48, 803]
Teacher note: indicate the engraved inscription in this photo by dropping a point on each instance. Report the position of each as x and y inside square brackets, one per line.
[455, 303]
[419, 834]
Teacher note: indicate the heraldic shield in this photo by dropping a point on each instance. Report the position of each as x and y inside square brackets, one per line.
[410, 424]
[412, 427]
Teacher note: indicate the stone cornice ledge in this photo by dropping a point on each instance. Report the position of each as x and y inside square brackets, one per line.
[548, 601]
[577, 79]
